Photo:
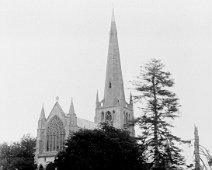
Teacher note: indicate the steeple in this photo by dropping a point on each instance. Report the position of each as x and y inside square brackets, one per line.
[71, 110]
[114, 108]
[113, 16]
[114, 89]
[42, 114]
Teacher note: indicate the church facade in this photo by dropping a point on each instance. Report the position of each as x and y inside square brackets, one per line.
[112, 109]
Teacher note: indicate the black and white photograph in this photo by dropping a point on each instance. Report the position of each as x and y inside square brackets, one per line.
[105, 84]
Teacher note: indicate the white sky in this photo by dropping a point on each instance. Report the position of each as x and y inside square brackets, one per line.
[52, 48]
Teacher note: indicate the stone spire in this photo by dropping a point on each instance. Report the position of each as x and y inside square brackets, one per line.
[113, 16]
[42, 114]
[114, 89]
[71, 110]
[114, 108]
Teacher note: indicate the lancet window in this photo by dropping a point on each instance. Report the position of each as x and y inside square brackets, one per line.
[102, 116]
[108, 118]
[127, 118]
[55, 135]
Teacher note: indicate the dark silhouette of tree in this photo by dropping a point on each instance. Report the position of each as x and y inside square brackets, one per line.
[50, 166]
[5, 157]
[159, 106]
[19, 155]
[105, 148]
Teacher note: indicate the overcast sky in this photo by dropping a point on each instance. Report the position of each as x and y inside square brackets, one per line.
[52, 48]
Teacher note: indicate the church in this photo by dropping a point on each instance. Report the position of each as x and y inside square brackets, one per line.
[113, 109]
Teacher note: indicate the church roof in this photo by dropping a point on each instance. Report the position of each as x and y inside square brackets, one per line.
[85, 124]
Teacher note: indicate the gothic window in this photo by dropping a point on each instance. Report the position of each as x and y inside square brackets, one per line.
[55, 135]
[102, 116]
[108, 118]
[126, 118]
[129, 116]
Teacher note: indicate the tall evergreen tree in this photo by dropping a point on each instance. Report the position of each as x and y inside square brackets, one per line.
[160, 105]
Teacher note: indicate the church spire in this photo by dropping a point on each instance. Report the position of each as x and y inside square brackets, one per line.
[114, 108]
[114, 89]
[113, 16]
[71, 110]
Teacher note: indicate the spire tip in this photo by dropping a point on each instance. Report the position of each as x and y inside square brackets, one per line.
[113, 16]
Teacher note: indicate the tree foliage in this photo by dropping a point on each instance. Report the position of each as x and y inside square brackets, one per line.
[160, 107]
[105, 148]
[19, 155]
[50, 166]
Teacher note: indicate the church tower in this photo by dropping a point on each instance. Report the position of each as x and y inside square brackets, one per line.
[114, 109]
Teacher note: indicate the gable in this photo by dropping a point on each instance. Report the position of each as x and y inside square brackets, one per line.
[57, 111]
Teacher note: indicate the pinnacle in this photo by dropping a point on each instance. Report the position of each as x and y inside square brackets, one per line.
[42, 114]
[71, 110]
[97, 97]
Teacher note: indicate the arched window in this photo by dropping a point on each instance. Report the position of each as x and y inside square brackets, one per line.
[55, 135]
[129, 116]
[108, 118]
[126, 118]
[102, 116]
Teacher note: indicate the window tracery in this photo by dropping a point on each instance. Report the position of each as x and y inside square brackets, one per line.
[108, 118]
[126, 118]
[55, 135]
